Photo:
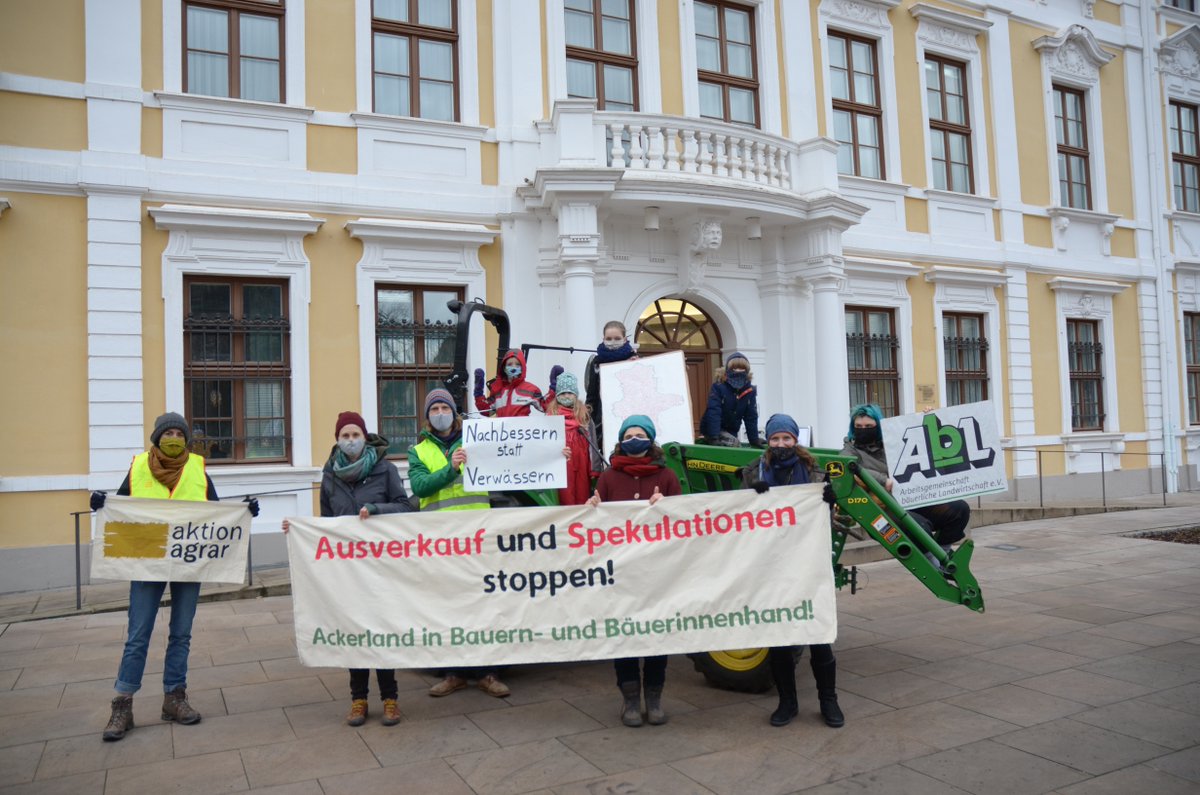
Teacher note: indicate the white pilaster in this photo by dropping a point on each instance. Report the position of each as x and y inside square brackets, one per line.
[1020, 369]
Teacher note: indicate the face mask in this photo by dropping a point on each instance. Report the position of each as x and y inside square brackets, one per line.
[566, 399]
[172, 447]
[512, 370]
[441, 422]
[635, 446]
[866, 435]
[352, 447]
[612, 345]
[784, 456]
[737, 379]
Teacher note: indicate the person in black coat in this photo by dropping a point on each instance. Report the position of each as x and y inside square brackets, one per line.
[786, 463]
[732, 400]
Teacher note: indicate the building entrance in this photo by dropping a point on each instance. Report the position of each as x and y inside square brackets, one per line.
[675, 324]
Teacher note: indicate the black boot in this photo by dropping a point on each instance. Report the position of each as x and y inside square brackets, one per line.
[826, 675]
[121, 720]
[783, 671]
[631, 710]
[655, 714]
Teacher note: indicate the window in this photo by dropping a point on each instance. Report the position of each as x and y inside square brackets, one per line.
[1191, 341]
[949, 124]
[727, 60]
[1070, 128]
[237, 373]
[411, 356]
[601, 53]
[415, 58]
[857, 110]
[1084, 355]
[1186, 5]
[1185, 157]
[234, 48]
[871, 352]
[965, 347]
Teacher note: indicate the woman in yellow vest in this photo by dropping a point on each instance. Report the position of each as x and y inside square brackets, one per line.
[435, 470]
[167, 471]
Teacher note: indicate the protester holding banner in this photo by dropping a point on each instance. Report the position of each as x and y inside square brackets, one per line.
[732, 401]
[435, 470]
[508, 394]
[358, 480]
[787, 463]
[637, 471]
[614, 347]
[945, 522]
[584, 461]
[167, 471]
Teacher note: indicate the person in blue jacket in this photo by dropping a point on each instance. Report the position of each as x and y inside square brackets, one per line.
[733, 400]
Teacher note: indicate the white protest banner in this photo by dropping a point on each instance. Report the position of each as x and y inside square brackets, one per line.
[514, 453]
[656, 386]
[171, 540]
[521, 585]
[944, 455]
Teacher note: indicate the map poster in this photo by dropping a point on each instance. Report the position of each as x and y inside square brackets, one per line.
[656, 386]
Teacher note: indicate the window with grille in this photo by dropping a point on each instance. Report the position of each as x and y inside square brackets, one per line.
[602, 52]
[949, 124]
[414, 45]
[1191, 341]
[872, 353]
[857, 108]
[1085, 355]
[1070, 129]
[234, 48]
[965, 346]
[414, 352]
[727, 62]
[1185, 157]
[237, 368]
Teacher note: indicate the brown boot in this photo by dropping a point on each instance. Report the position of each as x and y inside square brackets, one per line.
[391, 712]
[447, 686]
[357, 715]
[492, 685]
[177, 708]
[121, 720]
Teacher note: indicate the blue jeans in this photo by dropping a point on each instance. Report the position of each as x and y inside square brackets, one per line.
[143, 609]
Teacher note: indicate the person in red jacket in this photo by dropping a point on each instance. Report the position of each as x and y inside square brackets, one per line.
[637, 472]
[584, 461]
[508, 394]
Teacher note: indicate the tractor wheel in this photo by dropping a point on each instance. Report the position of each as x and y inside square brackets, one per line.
[743, 670]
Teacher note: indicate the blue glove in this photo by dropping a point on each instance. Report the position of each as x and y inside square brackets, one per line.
[252, 504]
[479, 378]
[555, 372]
[97, 501]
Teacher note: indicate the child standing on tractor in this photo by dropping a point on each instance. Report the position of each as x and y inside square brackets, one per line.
[733, 400]
[508, 394]
[614, 347]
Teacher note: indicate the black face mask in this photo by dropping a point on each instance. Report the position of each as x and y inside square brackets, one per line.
[784, 456]
[867, 435]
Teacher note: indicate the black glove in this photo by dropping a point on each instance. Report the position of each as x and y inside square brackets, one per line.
[555, 372]
[760, 486]
[97, 501]
[252, 504]
[828, 496]
[760, 444]
[479, 378]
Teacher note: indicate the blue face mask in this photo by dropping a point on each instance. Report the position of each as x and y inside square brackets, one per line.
[635, 446]
[512, 371]
[737, 380]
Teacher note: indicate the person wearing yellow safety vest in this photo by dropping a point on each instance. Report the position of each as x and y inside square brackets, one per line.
[167, 471]
[435, 471]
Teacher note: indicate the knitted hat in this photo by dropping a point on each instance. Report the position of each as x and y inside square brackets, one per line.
[567, 382]
[167, 421]
[349, 418]
[782, 423]
[737, 357]
[438, 396]
[637, 421]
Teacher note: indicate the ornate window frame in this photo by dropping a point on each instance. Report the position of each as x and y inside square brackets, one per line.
[883, 283]
[645, 22]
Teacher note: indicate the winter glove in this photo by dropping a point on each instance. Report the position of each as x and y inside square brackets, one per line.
[760, 444]
[97, 501]
[252, 504]
[479, 378]
[760, 486]
[828, 496]
[555, 372]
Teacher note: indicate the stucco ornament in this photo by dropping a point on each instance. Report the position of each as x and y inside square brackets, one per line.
[1182, 61]
[706, 238]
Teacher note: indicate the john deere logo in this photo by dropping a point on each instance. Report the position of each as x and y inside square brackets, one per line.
[934, 449]
[834, 468]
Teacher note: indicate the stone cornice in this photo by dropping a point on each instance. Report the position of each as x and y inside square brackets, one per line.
[232, 219]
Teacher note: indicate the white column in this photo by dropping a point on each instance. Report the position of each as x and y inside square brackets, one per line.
[1020, 370]
[833, 394]
[579, 311]
[1008, 180]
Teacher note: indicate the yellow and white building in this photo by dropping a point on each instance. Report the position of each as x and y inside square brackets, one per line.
[254, 211]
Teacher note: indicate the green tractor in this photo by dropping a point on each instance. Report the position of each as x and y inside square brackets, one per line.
[861, 502]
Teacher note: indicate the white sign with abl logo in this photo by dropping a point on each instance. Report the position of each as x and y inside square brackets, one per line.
[944, 455]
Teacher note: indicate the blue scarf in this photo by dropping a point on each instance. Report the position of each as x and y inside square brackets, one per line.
[354, 471]
[605, 356]
[792, 474]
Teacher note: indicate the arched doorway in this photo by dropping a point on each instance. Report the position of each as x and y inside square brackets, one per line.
[675, 324]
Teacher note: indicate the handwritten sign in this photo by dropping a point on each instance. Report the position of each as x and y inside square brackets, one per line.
[656, 386]
[514, 453]
[525, 585]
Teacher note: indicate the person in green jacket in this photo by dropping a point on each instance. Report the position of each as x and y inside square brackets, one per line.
[435, 471]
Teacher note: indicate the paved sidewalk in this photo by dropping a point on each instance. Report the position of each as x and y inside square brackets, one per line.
[1082, 677]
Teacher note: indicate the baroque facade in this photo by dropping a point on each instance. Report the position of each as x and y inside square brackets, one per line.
[254, 212]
